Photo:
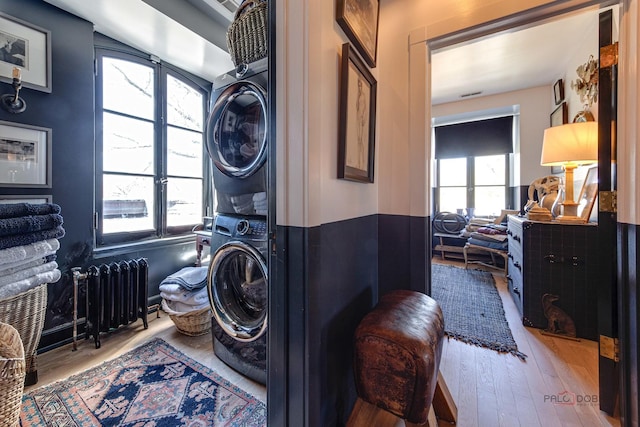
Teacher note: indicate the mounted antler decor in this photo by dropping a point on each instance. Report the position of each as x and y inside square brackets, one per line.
[587, 83]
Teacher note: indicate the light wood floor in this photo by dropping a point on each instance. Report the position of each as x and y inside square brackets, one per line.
[493, 389]
[60, 363]
[490, 389]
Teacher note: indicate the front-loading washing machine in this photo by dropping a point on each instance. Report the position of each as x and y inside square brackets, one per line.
[238, 286]
[236, 139]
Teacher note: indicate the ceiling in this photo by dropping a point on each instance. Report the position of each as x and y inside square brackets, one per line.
[512, 60]
[507, 61]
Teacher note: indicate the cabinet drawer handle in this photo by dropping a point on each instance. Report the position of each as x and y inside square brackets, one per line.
[516, 291]
[553, 259]
[509, 232]
[516, 238]
[517, 265]
[509, 255]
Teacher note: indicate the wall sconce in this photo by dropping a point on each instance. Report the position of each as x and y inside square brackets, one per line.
[569, 146]
[12, 102]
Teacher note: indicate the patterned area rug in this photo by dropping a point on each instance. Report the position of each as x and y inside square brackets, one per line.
[153, 385]
[472, 308]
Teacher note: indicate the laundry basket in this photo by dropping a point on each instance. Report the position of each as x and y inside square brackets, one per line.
[247, 34]
[26, 312]
[12, 373]
[192, 323]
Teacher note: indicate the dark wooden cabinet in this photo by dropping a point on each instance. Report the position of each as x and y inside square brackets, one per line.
[554, 258]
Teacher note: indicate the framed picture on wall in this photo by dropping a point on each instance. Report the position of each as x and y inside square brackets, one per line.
[7, 199]
[558, 91]
[25, 155]
[588, 194]
[359, 20]
[27, 47]
[559, 116]
[357, 120]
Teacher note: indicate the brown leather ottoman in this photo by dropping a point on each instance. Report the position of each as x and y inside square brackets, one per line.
[397, 355]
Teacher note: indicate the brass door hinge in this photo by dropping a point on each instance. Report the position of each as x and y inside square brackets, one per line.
[610, 348]
[608, 201]
[609, 55]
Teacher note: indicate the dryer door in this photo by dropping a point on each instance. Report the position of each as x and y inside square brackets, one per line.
[237, 130]
[237, 284]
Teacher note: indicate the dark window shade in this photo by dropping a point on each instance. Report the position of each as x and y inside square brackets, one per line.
[480, 138]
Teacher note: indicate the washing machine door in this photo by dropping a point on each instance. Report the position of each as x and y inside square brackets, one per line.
[237, 284]
[237, 129]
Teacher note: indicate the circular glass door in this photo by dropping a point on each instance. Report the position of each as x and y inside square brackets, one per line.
[237, 130]
[237, 282]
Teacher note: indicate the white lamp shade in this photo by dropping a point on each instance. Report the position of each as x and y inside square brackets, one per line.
[575, 143]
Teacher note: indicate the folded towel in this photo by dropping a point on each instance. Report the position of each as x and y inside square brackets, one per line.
[184, 308]
[29, 224]
[5, 270]
[14, 210]
[27, 272]
[16, 288]
[187, 297]
[190, 278]
[30, 251]
[25, 239]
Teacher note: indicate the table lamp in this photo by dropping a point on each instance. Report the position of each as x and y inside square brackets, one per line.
[570, 146]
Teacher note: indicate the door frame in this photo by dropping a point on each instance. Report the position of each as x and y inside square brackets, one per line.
[420, 48]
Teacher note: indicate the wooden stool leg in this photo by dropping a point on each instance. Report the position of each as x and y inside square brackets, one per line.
[364, 414]
[443, 403]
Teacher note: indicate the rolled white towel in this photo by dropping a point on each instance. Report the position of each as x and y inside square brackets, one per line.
[184, 308]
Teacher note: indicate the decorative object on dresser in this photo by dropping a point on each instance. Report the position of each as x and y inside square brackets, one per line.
[570, 146]
[558, 259]
[560, 323]
[546, 190]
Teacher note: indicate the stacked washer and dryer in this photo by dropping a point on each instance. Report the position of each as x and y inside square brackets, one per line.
[236, 140]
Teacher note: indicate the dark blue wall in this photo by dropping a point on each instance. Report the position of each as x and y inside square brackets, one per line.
[69, 111]
[330, 277]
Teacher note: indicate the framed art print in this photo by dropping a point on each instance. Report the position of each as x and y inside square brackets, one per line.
[27, 47]
[25, 155]
[357, 118]
[359, 20]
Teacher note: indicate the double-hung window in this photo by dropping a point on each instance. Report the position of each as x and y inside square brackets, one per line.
[150, 158]
[472, 163]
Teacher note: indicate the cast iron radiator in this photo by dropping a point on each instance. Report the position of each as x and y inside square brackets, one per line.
[117, 295]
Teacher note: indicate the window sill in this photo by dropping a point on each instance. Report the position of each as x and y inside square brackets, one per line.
[115, 250]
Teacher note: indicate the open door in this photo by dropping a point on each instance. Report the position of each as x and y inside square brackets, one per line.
[607, 218]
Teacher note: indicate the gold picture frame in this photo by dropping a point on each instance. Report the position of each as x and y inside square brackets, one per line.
[357, 118]
[359, 20]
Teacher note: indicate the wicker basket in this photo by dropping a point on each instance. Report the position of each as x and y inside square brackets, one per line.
[26, 312]
[12, 372]
[192, 323]
[247, 34]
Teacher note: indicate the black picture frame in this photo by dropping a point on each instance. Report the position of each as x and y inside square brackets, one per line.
[357, 118]
[558, 91]
[359, 20]
[28, 47]
[559, 116]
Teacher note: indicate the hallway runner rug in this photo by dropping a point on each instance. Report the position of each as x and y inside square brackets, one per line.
[472, 308]
[153, 385]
